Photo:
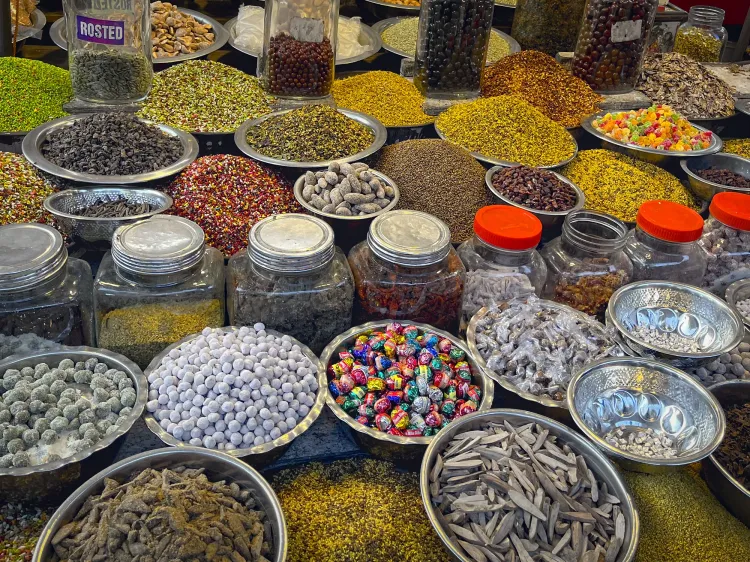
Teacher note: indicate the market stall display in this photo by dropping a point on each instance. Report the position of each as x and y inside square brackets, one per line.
[702, 37]
[22, 190]
[715, 173]
[549, 26]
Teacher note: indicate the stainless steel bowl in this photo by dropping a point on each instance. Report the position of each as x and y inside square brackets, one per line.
[381, 444]
[636, 394]
[240, 139]
[734, 496]
[51, 480]
[63, 205]
[257, 455]
[707, 189]
[32, 144]
[737, 291]
[651, 155]
[674, 307]
[602, 468]
[217, 466]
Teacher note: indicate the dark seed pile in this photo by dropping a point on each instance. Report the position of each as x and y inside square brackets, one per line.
[734, 453]
[116, 208]
[725, 177]
[111, 144]
[110, 75]
[534, 188]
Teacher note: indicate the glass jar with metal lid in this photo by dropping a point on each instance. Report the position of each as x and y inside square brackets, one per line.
[159, 284]
[293, 279]
[702, 37]
[407, 270]
[45, 296]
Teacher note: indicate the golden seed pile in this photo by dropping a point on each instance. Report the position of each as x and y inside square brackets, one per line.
[740, 147]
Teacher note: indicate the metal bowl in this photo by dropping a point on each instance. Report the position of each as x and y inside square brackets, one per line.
[675, 307]
[737, 291]
[734, 496]
[381, 444]
[240, 139]
[715, 124]
[651, 155]
[635, 394]
[33, 141]
[63, 205]
[549, 219]
[743, 106]
[217, 466]
[53, 479]
[258, 455]
[59, 36]
[602, 468]
[707, 189]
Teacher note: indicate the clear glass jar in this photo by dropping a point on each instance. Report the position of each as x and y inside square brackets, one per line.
[45, 296]
[550, 26]
[702, 36]
[408, 271]
[452, 47]
[726, 241]
[159, 284]
[586, 264]
[299, 48]
[501, 260]
[612, 43]
[293, 279]
[109, 50]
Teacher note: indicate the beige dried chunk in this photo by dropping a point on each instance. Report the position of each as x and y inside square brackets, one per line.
[174, 32]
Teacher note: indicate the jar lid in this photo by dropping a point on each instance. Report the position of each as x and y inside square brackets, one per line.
[732, 209]
[291, 243]
[410, 238]
[508, 227]
[161, 245]
[30, 253]
[669, 221]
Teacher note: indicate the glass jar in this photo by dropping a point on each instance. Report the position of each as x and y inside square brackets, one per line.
[109, 50]
[45, 296]
[586, 264]
[408, 271]
[452, 47]
[702, 36]
[299, 48]
[612, 43]
[726, 241]
[501, 260]
[159, 284]
[664, 245]
[293, 279]
[550, 26]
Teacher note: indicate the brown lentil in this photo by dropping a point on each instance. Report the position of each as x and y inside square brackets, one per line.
[740, 147]
[725, 177]
[22, 191]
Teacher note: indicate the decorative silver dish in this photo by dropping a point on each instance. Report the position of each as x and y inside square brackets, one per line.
[706, 189]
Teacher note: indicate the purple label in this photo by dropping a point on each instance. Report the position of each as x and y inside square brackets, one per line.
[100, 31]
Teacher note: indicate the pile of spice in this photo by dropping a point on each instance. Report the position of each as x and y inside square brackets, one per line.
[740, 147]
[31, 93]
[20, 528]
[328, 507]
[390, 98]
[729, 366]
[215, 97]
[734, 451]
[313, 133]
[543, 82]
[648, 443]
[507, 128]
[698, 44]
[226, 195]
[686, 86]
[176, 33]
[744, 307]
[107, 208]
[536, 189]
[439, 178]
[617, 184]
[405, 2]
[190, 517]
[22, 190]
[725, 177]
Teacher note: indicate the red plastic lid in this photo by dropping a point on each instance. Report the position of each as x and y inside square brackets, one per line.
[508, 227]
[732, 208]
[669, 221]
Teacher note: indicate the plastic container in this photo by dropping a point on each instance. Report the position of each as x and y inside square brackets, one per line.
[299, 48]
[408, 271]
[726, 241]
[586, 264]
[293, 279]
[664, 244]
[159, 284]
[501, 260]
[43, 292]
[702, 37]
[550, 26]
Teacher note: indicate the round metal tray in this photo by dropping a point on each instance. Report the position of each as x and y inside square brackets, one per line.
[59, 37]
[240, 139]
[33, 141]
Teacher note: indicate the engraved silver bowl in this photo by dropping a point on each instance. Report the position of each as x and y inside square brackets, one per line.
[218, 466]
[636, 394]
[597, 462]
[738, 291]
[674, 308]
[707, 189]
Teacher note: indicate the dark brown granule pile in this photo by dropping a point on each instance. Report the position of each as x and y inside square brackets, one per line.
[734, 452]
